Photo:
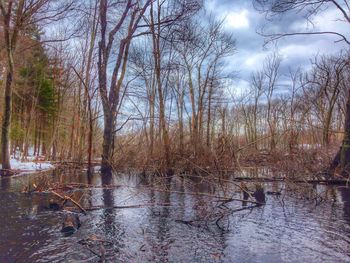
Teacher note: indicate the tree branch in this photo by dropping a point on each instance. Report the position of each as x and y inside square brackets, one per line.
[273, 37]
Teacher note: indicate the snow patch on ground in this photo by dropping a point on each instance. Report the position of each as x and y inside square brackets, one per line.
[29, 166]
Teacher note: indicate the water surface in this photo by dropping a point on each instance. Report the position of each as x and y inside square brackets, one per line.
[292, 227]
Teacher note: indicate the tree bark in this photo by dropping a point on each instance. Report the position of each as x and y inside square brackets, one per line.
[10, 37]
[345, 149]
[5, 129]
[157, 60]
[108, 142]
[110, 99]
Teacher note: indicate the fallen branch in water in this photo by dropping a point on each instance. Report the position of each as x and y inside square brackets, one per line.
[129, 206]
[84, 186]
[93, 208]
[102, 254]
[243, 187]
[281, 179]
[225, 201]
[217, 220]
[221, 198]
[75, 186]
[243, 208]
[101, 242]
[65, 198]
[230, 212]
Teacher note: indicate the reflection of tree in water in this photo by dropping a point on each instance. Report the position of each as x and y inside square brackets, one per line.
[111, 227]
[5, 183]
[181, 200]
[204, 215]
[345, 196]
[108, 201]
[163, 228]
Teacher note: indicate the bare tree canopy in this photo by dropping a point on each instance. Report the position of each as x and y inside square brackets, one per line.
[308, 8]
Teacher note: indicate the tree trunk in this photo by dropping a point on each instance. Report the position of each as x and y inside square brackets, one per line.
[342, 158]
[108, 142]
[152, 110]
[194, 117]
[10, 37]
[72, 131]
[5, 154]
[157, 61]
[345, 149]
[209, 115]
[181, 124]
[91, 130]
[35, 138]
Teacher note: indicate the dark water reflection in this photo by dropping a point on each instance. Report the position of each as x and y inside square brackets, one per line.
[287, 229]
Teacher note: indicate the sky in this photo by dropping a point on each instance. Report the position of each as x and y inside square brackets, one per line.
[244, 21]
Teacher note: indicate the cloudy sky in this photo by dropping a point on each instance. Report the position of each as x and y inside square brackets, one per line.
[244, 22]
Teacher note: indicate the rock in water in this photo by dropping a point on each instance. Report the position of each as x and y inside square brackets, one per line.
[259, 195]
[70, 224]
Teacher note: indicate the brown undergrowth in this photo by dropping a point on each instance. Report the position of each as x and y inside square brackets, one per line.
[297, 164]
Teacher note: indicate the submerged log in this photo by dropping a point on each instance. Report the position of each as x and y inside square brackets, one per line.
[71, 223]
[259, 194]
[54, 205]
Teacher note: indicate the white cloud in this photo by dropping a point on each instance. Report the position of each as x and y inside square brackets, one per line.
[237, 20]
[242, 20]
[330, 20]
[255, 60]
[295, 50]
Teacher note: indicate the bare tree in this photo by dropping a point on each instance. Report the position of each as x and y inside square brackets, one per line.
[310, 9]
[271, 72]
[327, 79]
[124, 27]
[202, 50]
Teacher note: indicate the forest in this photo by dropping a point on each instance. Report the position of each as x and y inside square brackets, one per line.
[206, 115]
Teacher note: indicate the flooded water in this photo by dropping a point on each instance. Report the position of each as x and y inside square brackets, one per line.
[177, 219]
